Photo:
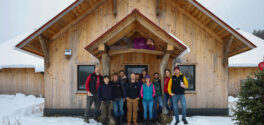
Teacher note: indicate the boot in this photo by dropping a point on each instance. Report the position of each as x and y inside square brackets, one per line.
[86, 120]
[177, 122]
[121, 120]
[145, 122]
[185, 121]
[116, 120]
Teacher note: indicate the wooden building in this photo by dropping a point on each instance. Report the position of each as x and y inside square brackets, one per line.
[245, 64]
[106, 32]
[19, 71]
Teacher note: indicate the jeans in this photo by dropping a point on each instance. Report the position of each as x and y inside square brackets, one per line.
[157, 100]
[175, 100]
[148, 107]
[89, 101]
[118, 107]
[166, 99]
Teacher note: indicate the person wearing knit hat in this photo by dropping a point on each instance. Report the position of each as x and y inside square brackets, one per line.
[176, 88]
[147, 93]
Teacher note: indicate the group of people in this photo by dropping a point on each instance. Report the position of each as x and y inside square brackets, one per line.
[134, 95]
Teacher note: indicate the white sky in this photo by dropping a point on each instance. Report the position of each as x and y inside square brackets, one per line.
[20, 16]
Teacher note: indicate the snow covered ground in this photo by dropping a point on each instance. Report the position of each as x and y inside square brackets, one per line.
[28, 110]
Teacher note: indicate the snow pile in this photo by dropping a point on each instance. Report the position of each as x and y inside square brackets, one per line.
[28, 110]
[232, 104]
[20, 105]
[12, 57]
[249, 58]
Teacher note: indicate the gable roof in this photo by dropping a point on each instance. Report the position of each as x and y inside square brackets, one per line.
[81, 8]
[12, 57]
[136, 22]
[250, 58]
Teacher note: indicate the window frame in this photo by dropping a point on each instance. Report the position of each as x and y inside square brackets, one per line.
[194, 73]
[78, 74]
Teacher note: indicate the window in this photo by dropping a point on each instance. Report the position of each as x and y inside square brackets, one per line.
[83, 72]
[189, 72]
[135, 69]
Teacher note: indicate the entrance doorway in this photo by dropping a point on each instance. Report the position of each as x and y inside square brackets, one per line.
[135, 69]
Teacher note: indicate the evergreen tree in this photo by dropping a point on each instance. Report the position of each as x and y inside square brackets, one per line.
[259, 33]
[250, 106]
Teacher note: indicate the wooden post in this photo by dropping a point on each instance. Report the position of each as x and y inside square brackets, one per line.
[157, 7]
[105, 64]
[228, 44]
[43, 42]
[163, 66]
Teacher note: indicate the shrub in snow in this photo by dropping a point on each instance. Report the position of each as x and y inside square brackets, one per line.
[6, 121]
[250, 105]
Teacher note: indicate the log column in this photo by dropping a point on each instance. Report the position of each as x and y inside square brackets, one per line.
[163, 66]
[105, 64]
[105, 60]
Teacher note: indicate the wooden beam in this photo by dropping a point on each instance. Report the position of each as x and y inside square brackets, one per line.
[50, 23]
[221, 23]
[78, 19]
[228, 44]
[157, 7]
[43, 42]
[101, 47]
[115, 8]
[197, 22]
[170, 47]
[132, 50]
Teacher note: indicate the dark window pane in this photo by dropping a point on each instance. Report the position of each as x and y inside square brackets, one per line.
[189, 72]
[83, 72]
[135, 69]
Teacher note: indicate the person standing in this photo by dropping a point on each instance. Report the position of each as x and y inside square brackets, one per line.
[147, 93]
[143, 75]
[105, 95]
[140, 105]
[118, 99]
[167, 96]
[132, 98]
[124, 81]
[92, 84]
[176, 88]
[158, 101]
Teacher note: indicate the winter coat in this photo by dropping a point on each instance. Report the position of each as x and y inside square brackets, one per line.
[133, 90]
[105, 92]
[118, 90]
[157, 84]
[174, 85]
[166, 82]
[93, 82]
[147, 92]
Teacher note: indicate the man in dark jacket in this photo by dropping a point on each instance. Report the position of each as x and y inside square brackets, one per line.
[133, 94]
[118, 99]
[124, 81]
[92, 84]
[105, 95]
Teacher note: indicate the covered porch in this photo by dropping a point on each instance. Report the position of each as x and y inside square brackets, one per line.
[136, 42]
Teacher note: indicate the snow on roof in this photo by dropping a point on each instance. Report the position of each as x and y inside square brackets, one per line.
[250, 58]
[12, 57]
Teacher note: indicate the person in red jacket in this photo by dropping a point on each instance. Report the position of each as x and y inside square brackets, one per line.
[92, 84]
[167, 96]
